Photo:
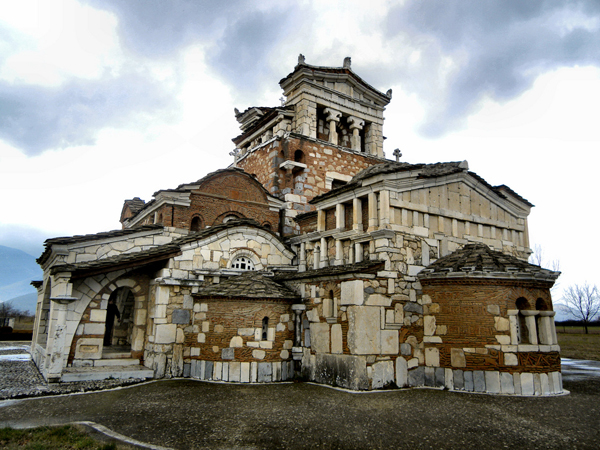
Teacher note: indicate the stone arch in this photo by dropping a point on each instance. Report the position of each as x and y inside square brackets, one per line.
[197, 223]
[98, 302]
[225, 216]
[246, 253]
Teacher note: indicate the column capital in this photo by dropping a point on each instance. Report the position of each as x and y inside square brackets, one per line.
[356, 123]
[332, 114]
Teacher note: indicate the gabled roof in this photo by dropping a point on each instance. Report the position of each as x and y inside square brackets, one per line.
[124, 260]
[361, 267]
[248, 285]
[48, 243]
[425, 171]
[308, 69]
[158, 253]
[480, 261]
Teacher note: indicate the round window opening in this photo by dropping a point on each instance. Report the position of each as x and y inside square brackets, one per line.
[242, 263]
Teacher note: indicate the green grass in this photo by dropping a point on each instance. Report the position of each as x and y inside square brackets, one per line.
[577, 345]
[66, 437]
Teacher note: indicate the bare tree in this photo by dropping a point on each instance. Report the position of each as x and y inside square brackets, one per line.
[582, 302]
[537, 258]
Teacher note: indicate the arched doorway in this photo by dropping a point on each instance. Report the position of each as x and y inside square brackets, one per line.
[119, 319]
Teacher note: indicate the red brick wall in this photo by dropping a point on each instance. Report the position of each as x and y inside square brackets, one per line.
[463, 309]
[225, 194]
[265, 162]
[234, 314]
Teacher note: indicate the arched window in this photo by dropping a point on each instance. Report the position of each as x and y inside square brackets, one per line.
[265, 328]
[196, 224]
[242, 263]
[299, 156]
[540, 305]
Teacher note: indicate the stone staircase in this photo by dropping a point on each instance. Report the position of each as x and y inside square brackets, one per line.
[116, 362]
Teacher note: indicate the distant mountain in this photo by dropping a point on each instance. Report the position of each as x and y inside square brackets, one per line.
[27, 302]
[17, 270]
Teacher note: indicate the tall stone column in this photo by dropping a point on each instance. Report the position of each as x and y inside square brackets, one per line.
[384, 206]
[358, 254]
[297, 348]
[356, 125]
[302, 265]
[340, 216]
[357, 214]
[339, 253]
[324, 253]
[321, 220]
[333, 117]
[373, 219]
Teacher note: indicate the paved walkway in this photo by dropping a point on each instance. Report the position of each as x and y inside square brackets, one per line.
[189, 414]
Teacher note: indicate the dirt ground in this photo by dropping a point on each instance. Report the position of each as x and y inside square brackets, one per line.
[188, 414]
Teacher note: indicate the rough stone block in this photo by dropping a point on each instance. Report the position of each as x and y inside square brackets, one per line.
[389, 342]
[208, 370]
[527, 384]
[181, 316]
[416, 376]
[218, 371]
[165, 334]
[479, 381]
[320, 337]
[352, 292]
[459, 381]
[429, 376]
[265, 371]
[186, 370]
[492, 381]
[401, 372]
[432, 357]
[336, 339]
[378, 300]
[342, 370]
[228, 353]
[440, 377]
[383, 374]
[457, 358]
[245, 372]
[413, 308]
[510, 359]
[364, 336]
[89, 348]
[98, 315]
[449, 379]
[235, 372]
[507, 385]
[93, 328]
[468, 378]
[429, 326]
[236, 342]
[405, 349]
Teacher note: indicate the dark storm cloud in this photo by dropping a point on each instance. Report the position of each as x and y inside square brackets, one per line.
[500, 49]
[239, 34]
[35, 118]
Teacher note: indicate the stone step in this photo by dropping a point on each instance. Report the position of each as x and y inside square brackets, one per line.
[117, 362]
[71, 374]
[115, 355]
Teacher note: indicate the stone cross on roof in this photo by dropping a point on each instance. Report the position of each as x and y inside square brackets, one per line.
[398, 154]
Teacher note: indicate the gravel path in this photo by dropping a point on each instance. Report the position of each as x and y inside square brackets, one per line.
[19, 378]
[191, 414]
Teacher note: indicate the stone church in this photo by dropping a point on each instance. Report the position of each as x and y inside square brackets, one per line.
[311, 257]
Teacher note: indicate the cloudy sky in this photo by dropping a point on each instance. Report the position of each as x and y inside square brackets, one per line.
[103, 100]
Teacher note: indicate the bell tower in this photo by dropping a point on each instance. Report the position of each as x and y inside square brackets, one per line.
[329, 128]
